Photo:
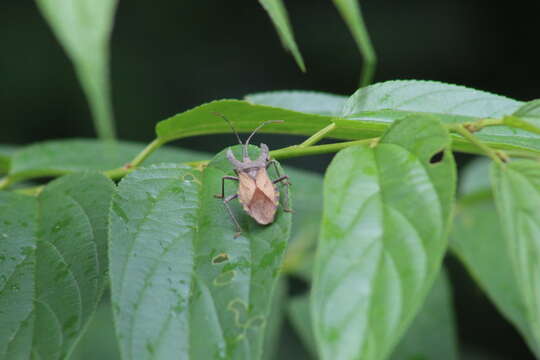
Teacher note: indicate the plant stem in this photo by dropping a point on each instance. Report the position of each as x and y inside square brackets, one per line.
[481, 123]
[33, 190]
[517, 122]
[318, 136]
[298, 150]
[129, 167]
[463, 130]
[150, 148]
[307, 148]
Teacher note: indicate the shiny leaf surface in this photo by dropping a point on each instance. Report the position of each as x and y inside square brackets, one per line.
[367, 113]
[377, 258]
[182, 284]
[516, 188]
[52, 158]
[53, 265]
[478, 241]
[431, 336]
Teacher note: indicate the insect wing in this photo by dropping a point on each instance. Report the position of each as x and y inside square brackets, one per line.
[265, 185]
[258, 196]
[262, 208]
[246, 189]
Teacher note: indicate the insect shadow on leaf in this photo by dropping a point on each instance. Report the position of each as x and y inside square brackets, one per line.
[256, 191]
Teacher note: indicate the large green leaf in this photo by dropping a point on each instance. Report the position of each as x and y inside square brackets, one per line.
[517, 196]
[182, 285]
[99, 341]
[83, 27]
[391, 100]
[385, 220]
[18, 228]
[53, 265]
[310, 102]
[431, 336]
[278, 14]
[52, 158]
[367, 113]
[478, 241]
[245, 117]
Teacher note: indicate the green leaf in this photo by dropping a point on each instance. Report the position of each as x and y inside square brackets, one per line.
[5, 157]
[52, 265]
[429, 97]
[516, 189]
[99, 342]
[83, 28]
[432, 334]
[527, 117]
[367, 113]
[385, 102]
[309, 102]
[182, 284]
[278, 14]
[18, 227]
[52, 158]
[351, 13]
[245, 117]
[377, 258]
[530, 110]
[478, 241]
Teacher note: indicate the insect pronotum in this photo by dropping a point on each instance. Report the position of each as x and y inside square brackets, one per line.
[256, 191]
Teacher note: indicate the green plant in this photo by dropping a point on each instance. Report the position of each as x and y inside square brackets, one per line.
[370, 237]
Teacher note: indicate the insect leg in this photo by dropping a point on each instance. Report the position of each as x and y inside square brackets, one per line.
[225, 202]
[223, 185]
[281, 179]
[278, 173]
[285, 181]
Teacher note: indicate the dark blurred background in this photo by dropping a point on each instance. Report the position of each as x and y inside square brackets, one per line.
[170, 55]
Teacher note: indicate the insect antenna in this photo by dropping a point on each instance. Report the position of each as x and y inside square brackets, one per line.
[257, 128]
[231, 125]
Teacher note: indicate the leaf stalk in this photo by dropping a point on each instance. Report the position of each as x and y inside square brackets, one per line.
[464, 130]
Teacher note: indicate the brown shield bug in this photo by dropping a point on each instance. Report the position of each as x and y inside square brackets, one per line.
[256, 191]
